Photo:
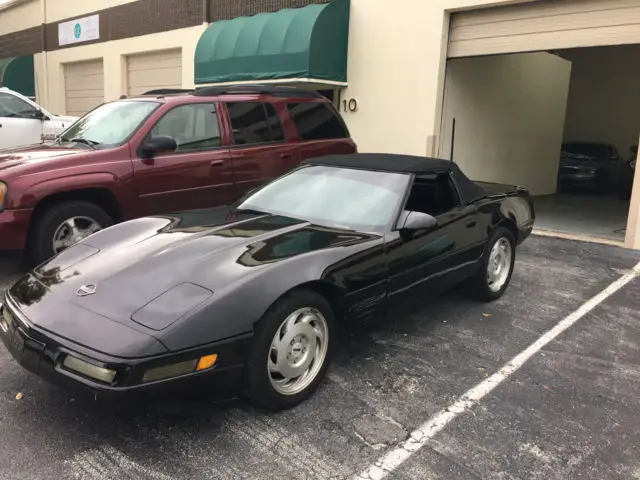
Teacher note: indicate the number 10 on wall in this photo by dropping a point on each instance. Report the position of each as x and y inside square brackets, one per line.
[346, 105]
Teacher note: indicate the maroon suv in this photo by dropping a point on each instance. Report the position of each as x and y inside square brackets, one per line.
[159, 153]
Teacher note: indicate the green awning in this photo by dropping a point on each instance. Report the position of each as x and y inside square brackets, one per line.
[18, 74]
[306, 44]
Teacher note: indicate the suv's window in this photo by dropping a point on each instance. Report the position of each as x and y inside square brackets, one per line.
[14, 107]
[433, 194]
[316, 121]
[194, 127]
[254, 122]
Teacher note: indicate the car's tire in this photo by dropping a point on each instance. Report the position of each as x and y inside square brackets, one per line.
[296, 356]
[49, 226]
[496, 267]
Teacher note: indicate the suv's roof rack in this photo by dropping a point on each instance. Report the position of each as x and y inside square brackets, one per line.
[275, 90]
[168, 91]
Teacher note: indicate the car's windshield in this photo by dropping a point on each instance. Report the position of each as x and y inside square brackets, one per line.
[588, 150]
[110, 124]
[331, 196]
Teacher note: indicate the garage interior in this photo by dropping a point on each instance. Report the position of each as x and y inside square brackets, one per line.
[519, 108]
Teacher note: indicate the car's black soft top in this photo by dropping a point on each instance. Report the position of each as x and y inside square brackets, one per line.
[388, 162]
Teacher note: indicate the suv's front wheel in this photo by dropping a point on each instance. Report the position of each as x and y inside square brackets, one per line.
[63, 224]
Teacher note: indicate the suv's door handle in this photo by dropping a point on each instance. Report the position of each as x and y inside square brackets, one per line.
[217, 163]
[285, 155]
[471, 224]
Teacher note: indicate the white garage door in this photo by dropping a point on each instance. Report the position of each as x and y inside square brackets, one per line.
[149, 71]
[83, 85]
[544, 25]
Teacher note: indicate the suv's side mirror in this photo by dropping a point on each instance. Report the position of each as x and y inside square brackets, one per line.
[414, 221]
[158, 144]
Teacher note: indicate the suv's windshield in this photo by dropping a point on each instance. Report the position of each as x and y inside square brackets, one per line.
[110, 124]
[338, 197]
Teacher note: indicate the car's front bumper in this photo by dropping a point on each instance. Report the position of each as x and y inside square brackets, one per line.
[14, 225]
[42, 353]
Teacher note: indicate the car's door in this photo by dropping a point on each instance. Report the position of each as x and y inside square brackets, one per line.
[19, 122]
[434, 259]
[197, 175]
[259, 152]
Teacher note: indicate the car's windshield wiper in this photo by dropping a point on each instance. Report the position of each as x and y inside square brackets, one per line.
[251, 211]
[85, 141]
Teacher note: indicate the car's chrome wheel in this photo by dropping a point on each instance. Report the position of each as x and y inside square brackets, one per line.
[499, 264]
[298, 351]
[72, 230]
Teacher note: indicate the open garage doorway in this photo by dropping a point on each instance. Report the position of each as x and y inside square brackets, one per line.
[544, 95]
[563, 123]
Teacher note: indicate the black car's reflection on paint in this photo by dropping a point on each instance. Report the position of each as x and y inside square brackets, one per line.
[179, 292]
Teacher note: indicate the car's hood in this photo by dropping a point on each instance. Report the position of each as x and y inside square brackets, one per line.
[15, 157]
[64, 118]
[582, 162]
[136, 262]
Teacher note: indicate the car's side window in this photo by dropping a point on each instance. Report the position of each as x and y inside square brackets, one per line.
[194, 127]
[254, 123]
[433, 194]
[316, 121]
[14, 107]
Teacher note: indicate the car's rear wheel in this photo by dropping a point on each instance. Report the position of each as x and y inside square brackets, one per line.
[292, 349]
[63, 224]
[496, 268]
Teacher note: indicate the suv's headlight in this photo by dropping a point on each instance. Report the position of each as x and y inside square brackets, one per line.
[3, 195]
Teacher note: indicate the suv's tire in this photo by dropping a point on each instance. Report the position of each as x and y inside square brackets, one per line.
[494, 275]
[49, 225]
[261, 386]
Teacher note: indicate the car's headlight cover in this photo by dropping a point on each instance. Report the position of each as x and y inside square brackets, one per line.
[3, 195]
[78, 365]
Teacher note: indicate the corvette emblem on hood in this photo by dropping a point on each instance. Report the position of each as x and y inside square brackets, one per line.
[85, 290]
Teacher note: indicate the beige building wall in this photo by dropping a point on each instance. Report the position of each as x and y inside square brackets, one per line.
[20, 16]
[114, 57]
[396, 72]
[509, 113]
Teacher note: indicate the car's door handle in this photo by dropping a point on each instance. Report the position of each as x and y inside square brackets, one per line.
[471, 224]
[285, 155]
[217, 163]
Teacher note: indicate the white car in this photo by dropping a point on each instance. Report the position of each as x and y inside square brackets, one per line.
[23, 122]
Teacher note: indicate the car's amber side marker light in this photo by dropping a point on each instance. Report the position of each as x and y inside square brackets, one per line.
[206, 362]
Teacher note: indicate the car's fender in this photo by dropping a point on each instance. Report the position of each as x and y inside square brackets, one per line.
[31, 196]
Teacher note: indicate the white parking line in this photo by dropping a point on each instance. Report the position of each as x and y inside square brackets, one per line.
[391, 460]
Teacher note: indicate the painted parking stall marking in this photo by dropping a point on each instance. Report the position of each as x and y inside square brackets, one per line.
[391, 460]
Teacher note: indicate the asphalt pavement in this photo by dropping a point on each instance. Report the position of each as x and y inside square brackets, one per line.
[570, 412]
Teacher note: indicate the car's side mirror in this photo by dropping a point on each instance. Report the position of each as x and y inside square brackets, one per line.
[39, 114]
[158, 144]
[414, 221]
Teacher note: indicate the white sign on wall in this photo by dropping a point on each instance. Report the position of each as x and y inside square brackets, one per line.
[79, 30]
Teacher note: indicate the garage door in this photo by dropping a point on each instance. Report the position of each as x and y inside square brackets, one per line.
[153, 70]
[544, 25]
[84, 86]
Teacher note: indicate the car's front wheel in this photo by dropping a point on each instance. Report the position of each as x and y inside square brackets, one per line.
[292, 349]
[60, 226]
[496, 267]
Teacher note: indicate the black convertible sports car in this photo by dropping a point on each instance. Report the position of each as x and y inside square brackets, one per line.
[252, 295]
